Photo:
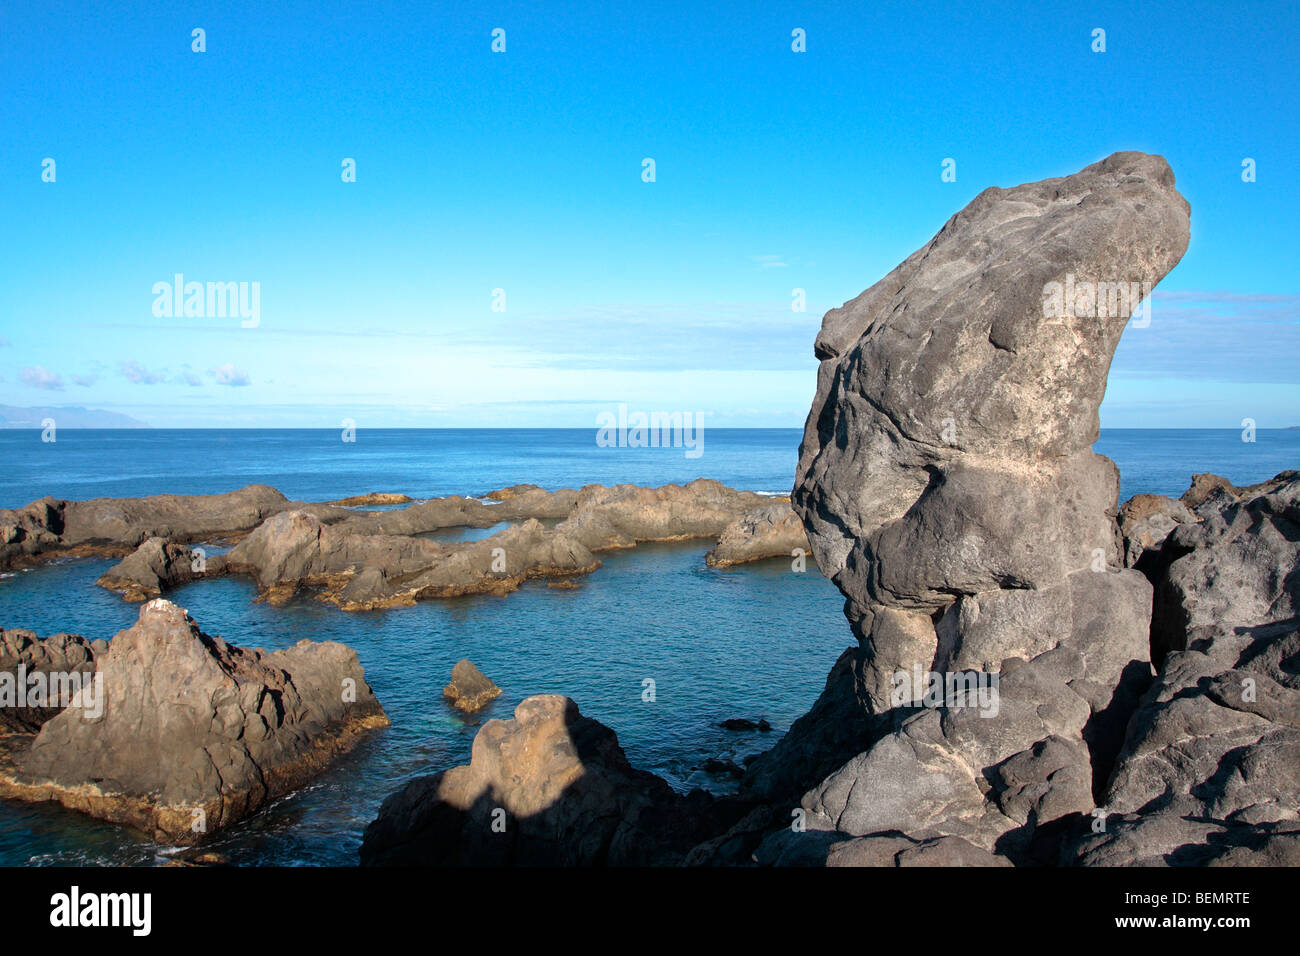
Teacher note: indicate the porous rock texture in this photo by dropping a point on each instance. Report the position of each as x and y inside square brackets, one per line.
[194, 733]
[948, 487]
[1210, 770]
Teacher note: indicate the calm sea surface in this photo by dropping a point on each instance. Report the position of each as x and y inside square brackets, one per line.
[751, 641]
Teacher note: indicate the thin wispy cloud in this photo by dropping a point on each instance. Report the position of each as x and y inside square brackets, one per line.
[36, 376]
[229, 375]
[1215, 336]
[137, 374]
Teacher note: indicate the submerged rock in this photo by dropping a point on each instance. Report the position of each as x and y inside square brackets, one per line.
[469, 690]
[744, 723]
[948, 487]
[194, 733]
[547, 787]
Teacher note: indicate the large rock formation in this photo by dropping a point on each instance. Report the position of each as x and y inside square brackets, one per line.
[194, 733]
[948, 486]
[547, 787]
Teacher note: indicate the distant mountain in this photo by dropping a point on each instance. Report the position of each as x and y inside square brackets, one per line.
[12, 416]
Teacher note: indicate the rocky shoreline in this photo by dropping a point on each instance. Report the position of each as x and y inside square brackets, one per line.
[1040, 677]
[184, 734]
[1037, 675]
[362, 560]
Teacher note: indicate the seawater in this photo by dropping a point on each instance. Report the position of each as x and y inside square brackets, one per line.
[753, 641]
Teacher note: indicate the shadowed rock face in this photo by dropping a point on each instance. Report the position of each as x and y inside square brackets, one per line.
[154, 567]
[194, 733]
[547, 787]
[948, 487]
[22, 654]
[1210, 771]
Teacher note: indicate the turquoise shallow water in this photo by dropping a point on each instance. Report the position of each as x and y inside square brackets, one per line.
[750, 641]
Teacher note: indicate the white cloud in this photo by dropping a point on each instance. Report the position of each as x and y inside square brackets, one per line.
[38, 377]
[229, 375]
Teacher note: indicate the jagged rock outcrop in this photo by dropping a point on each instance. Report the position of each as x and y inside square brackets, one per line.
[948, 487]
[194, 733]
[469, 690]
[547, 787]
[294, 551]
[1144, 523]
[1217, 492]
[156, 566]
[1210, 771]
[26, 703]
[772, 531]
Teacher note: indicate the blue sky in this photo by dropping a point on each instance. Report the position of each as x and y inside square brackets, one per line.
[522, 171]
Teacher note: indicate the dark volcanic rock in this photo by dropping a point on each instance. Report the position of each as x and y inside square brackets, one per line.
[744, 723]
[1210, 770]
[1219, 492]
[948, 487]
[1144, 523]
[195, 733]
[835, 729]
[547, 787]
[469, 690]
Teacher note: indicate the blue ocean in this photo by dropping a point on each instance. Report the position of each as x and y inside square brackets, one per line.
[752, 641]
